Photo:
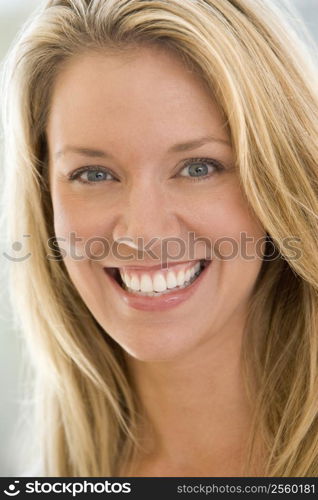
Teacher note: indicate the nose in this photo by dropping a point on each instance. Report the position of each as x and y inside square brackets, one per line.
[147, 216]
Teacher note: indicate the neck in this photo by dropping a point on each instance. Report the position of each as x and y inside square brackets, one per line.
[196, 406]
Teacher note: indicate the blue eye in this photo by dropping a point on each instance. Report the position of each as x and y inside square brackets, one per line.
[200, 168]
[96, 176]
[91, 175]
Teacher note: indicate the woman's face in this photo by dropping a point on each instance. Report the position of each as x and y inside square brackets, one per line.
[139, 150]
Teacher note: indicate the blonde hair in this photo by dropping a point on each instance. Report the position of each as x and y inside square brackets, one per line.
[264, 81]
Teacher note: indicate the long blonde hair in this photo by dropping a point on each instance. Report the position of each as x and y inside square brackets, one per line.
[265, 82]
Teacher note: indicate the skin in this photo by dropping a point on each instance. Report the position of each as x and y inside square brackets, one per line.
[184, 361]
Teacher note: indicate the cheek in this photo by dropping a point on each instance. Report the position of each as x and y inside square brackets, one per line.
[80, 225]
[77, 230]
[239, 245]
[238, 234]
[226, 219]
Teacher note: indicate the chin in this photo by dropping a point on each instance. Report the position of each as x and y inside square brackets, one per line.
[155, 347]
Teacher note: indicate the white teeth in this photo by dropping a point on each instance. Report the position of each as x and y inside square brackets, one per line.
[180, 278]
[127, 280]
[171, 280]
[159, 283]
[134, 284]
[146, 283]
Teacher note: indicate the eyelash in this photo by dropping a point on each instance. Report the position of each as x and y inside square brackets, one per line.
[208, 161]
[218, 168]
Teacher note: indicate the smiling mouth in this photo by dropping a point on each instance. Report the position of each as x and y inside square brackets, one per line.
[178, 282]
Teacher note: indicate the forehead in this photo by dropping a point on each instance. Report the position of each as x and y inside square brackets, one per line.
[146, 92]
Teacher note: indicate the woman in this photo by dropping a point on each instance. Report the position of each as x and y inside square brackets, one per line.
[132, 124]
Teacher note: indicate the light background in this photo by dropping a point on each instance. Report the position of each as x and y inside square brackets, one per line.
[13, 14]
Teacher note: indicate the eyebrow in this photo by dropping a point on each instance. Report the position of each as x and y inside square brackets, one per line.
[176, 148]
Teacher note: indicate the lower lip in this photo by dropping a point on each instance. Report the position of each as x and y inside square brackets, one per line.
[162, 302]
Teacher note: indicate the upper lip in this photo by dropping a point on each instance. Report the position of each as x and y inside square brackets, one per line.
[158, 266]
